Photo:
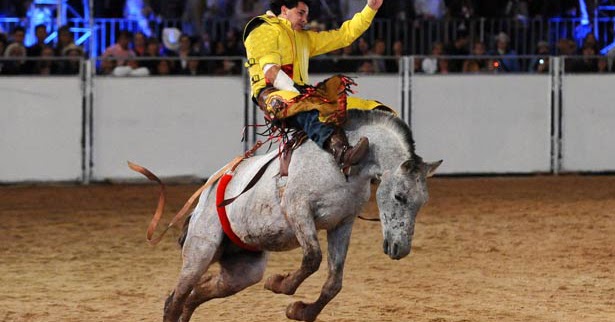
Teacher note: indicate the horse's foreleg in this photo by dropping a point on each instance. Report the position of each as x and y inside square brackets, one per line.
[338, 240]
[237, 272]
[305, 231]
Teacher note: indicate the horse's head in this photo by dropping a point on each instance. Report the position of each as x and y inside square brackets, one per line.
[402, 192]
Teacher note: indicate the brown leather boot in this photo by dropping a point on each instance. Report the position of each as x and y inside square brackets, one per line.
[344, 154]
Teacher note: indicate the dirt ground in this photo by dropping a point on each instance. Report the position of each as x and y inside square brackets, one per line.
[485, 249]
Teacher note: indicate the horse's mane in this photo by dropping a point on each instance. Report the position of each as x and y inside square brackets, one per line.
[357, 118]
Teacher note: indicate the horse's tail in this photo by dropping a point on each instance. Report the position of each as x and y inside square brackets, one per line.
[182, 238]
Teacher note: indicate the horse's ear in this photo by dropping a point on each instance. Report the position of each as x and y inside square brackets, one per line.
[431, 167]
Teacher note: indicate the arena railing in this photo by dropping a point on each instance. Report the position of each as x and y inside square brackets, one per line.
[417, 35]
[413, 93]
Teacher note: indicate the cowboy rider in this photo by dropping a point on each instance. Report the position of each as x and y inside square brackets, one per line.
[278, 50]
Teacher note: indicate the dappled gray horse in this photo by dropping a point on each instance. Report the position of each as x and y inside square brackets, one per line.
[283, 213]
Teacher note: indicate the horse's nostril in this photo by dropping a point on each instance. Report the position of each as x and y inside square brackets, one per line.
[385, 246]
[395, 250]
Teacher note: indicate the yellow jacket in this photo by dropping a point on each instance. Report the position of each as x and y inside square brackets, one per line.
[271, 40]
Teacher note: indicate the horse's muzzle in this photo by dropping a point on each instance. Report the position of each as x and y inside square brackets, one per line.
[394, 249]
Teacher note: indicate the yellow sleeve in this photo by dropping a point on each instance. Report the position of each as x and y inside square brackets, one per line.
[262, 45]
[327, 41]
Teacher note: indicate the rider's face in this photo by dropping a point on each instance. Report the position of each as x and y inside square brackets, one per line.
[298, 16]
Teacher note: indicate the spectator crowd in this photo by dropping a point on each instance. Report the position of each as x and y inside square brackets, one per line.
[177, 53]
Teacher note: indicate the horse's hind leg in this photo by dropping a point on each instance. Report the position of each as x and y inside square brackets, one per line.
[198, 254]
[237, 272]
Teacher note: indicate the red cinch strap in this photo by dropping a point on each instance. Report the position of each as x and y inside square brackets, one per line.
[226, 225]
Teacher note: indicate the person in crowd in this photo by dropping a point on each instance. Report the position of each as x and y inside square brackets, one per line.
[121, 50]
[508, 62]
[164, 68]
[458, 48]
[18, 35]
[430, 64]
[281, 75]
[232, 45]
[471, 66]
[603, 65]
[16, 52]
[206, 45]
[478, 50]
[540, 64]
[3, 43]
[397, 51]
[366, 67]
[591, 41]
[65, 38]
[184, 51]
[588, 63]
[224, 65]
[343, 62]
[340, 61]
[193, 68]
[46, 66]
[72, 64]
[139, 44]
[40, 31]
[568, 48]
[418, 65]
[107, 65]
[363, 48]
[152, 52]
[444, 66]
[216, 66]
[379, 50]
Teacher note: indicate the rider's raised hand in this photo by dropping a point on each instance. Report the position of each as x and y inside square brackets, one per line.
[374, 4]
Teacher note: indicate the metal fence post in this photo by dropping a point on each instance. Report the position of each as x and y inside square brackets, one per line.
[556, 67]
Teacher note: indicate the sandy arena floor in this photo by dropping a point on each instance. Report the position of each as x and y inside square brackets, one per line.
[486, 249]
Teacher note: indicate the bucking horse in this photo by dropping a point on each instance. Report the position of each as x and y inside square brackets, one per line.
[281, 213]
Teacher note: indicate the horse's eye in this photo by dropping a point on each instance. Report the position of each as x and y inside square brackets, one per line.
[401, 198]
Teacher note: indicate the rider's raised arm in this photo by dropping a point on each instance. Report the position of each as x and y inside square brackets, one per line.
[327, 41]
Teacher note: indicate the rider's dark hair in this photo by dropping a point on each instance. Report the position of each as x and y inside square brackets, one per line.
[276, 5]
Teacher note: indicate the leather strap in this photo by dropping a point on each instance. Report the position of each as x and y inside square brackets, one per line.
[226, 224]
[250, 184]
[162, 198]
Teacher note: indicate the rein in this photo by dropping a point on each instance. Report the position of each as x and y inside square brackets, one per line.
[368, 219]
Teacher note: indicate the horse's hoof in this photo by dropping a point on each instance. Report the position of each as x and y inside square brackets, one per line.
[299, 311]
[275, 283]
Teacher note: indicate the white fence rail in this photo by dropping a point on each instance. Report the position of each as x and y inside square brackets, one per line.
[190, 126]
[182, 126]
[41, 129]
[483, 124]
[588, 123]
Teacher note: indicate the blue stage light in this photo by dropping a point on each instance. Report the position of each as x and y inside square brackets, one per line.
[134, 11]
